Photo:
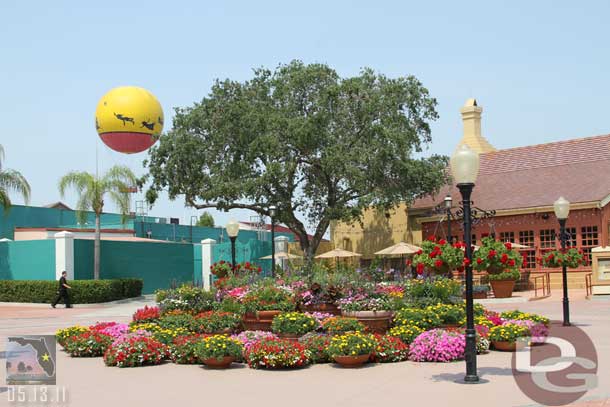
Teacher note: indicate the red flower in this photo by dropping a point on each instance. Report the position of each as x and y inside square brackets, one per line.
[442, 241]
[492, 254]
[504, 258]
[247, 264]
[511, 263]
[221, 262]
[438, 263]
[508, 245]
[432, 238]
[419, 251]
[408, 262]
[466, 262]
[420, 268]
[479, 260]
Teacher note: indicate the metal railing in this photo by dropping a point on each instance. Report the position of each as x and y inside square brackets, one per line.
[542, 283]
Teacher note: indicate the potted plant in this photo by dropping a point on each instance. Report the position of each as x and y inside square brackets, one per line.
[451, 315]
[507, 337]
[263, 303]
[502, 264]
[571, 258]
[218, 322]
[220, 269]
[478, 292]
[370, 306]
[293, 325]
[352, 349]
[341, 325]
[219, 351]
[438, 257]
[319, 297]
[274, 353]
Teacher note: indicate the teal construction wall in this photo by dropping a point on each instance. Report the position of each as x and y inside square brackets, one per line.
[159, 264]
[27, 260]
[251, 251]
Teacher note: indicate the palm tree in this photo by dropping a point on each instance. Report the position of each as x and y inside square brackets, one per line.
[11, 181]
[91, 191]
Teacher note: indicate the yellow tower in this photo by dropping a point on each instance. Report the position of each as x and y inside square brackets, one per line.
[471, 117]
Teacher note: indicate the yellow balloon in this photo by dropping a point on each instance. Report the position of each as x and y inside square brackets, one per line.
[129, 119]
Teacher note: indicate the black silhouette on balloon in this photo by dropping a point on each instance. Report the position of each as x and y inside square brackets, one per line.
[124, 119]
[97, 125]
[148, 125]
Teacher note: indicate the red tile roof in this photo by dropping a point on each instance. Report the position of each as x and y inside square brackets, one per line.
[537, 175]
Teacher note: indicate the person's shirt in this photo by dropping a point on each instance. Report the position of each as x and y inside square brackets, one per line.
[62, 281]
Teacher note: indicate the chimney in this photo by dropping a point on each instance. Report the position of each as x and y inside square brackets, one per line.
[471, 117]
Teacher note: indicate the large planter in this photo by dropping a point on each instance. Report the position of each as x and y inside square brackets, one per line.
[329, 308]
[352, 361]
[502, 288]
[290, 337]
[222, 363]
[376, 321]
[259, 321]
[506, 346]
[479, 295]
[267, 315]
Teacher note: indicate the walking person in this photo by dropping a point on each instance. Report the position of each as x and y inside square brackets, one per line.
[62, 291]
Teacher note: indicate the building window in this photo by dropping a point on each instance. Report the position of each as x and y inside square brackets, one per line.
[473, 239]
[547, 239]
[507, 237]
[526, 238]
[589, 239]
[571, 238]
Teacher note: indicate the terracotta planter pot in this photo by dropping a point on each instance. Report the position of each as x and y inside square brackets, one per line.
[352, 361]
[222, 363]
[329, 308]
[480, 295]
[376, 321]
[505, 346]
[267, 315]
[502, 288]
[253, 324]
[290, 337]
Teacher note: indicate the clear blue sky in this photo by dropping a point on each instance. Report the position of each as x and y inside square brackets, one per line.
[538, 68]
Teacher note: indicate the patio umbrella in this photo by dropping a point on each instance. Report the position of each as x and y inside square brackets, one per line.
[337, 253]
[399, 249]
[282, 256]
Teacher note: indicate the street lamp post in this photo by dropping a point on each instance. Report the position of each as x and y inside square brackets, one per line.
[465, 168]
[448, 204]
[232, 230]
[272, 212]
[562, 210]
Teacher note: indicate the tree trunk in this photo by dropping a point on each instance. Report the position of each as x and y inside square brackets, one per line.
[96, 248]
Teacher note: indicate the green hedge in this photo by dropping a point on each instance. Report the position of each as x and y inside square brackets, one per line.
[82, 292]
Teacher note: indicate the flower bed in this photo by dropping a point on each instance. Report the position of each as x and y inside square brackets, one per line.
[294, 323]
[317, 345]
[217, 322]
[389, 349]
[182, 349]
[249, 338]
[146, 314]
[219, 348]
[135, 351]
[421, 318]
[340, 325]
[272, 353]
[406, 333]
[87, 344]
[62, 335]
[437, 345]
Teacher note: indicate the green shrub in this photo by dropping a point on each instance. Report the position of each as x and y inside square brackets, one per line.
[82, 292]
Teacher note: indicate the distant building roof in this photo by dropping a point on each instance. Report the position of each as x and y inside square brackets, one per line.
[535, 176]
[58, 205]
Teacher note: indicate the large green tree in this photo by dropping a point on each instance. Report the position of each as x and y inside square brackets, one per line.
[305, 140]
[11, 181]
[206, 219]
[91, 191]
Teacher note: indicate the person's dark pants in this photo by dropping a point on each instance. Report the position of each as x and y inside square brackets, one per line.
[63, 294]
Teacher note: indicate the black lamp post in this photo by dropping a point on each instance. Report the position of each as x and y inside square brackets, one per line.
[272, 212]
[465, 168]
[448, 204]
[232, 230]
[562, 210]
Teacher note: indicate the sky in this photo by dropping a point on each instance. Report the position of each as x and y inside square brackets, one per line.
[538, 68]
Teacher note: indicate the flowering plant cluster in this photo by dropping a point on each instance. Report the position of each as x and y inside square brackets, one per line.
[218, 347]
[317, 345]
[269, 298]
[406, 333]
[247, 268]
[100, 326]
[439, 257]
[317, 293]
[135, 351]
[437, 345]
[217, 322]
[320, 316]
[537, 331]
[146, 326]
[389, 349]
[496, 257]
[186, 298]
[362, 302]
[220, 269]
[294, 323]
[129, 335]
[351, 344]
[449, 314]
[508, 333]
[167, 336]
[237, 293]
[276, 354]
[520, 315]
[182, 349]
[115, 330]
[340, 325]
[147, 314]
[249, 338]
[185, 321]
[61, 335]
[421, 318]
[571, 258]
[433, 290]
[87, 344]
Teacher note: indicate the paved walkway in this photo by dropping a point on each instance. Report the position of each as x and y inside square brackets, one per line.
[90, 383]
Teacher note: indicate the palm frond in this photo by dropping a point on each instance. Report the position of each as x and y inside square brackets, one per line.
[11, 180]
[79, 180]
[121, 173]
[5, 201]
